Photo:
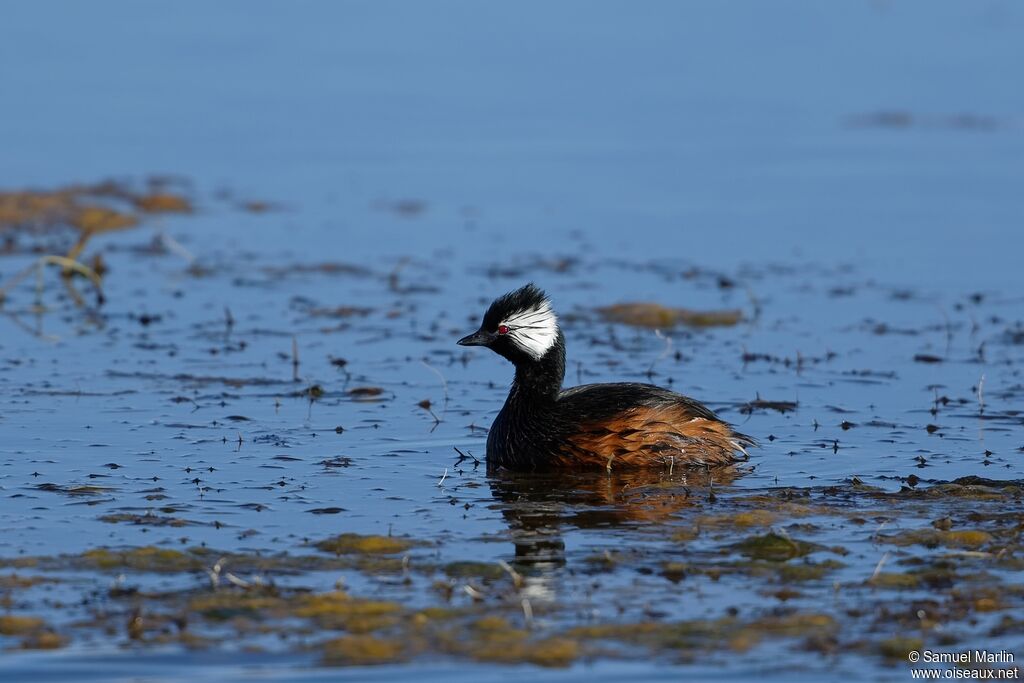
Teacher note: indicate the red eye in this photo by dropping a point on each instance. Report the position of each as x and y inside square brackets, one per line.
[502, 329]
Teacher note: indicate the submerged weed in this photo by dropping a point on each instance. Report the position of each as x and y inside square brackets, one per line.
[932, 538]
[146, 558]
[350, 543]
[774, 547]
[360, 650]
[13, 625]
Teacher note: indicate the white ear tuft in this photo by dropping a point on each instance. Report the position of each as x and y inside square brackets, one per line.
[533, 330]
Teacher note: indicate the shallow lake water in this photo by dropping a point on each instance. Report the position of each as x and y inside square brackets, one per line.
[245, 464]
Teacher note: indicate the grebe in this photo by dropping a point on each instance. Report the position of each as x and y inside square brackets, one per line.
[543, 426]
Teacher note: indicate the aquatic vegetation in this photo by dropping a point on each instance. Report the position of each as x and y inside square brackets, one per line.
[352, 543]
[86, 210]
[897, 648]
[747, 518]
[12, 625]
[162, 202]
[282, 455]
[968, 538]
[147, 558]
[662, 317]
[228, 604]
[362, 650]
[774, 547]
[81, 490]
[338, 610]
[14, 581]
[480, 611]
[895, 580]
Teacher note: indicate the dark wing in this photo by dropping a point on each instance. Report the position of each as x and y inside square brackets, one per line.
[642, 425]
[600, 401]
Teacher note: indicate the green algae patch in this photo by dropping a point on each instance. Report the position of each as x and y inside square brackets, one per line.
[658, 636]
[774, 547]
[494, 639]
[898, 647]
[162, 202]
[628, 632]
[895, 580]
[657, 316]
[147, 559]
[786, 572]
[783, 504]
[13, 625]
[43, 640]
[338, 610]
[167, 560]
[223, 605]
[932, 538]
[749, 518]
[361, 650]
[676, 571]
[493, 625]
[787, 626]
[358, 544]
[16, 581]
[19, 562]
[548, 652]
[981, 598]
[798, 624]
[35, 634]
[712, 634]
[967, 488]
[750, 543]
[432, 615]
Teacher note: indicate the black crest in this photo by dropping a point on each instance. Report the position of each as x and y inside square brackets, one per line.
[527, 297]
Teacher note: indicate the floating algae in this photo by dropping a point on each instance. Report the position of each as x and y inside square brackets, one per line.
[657, 316]
[351, 543]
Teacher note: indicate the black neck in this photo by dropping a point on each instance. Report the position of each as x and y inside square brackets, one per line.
[541, 380]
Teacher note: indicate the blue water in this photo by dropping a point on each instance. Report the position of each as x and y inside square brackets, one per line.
[824, 156]
[695, 130]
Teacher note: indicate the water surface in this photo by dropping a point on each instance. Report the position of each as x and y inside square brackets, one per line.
[847, 177]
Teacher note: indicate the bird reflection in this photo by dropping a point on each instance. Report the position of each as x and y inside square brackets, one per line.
[539, 507]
